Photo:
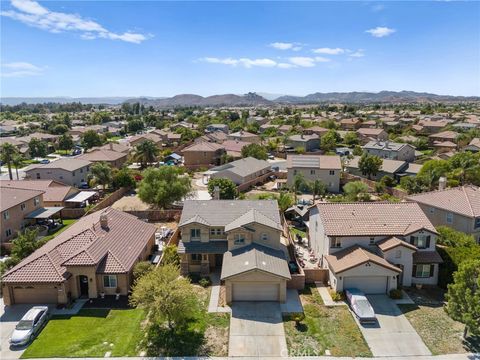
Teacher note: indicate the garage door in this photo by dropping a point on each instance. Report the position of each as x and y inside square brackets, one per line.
[255, 292]
[369, 285]
[40, 295]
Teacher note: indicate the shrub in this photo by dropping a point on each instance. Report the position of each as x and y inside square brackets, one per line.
[205, 282]
[396, 294]
[337, 296]
[141, 268]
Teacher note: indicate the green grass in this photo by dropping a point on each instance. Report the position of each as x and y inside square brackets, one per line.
[295, 231]
[66, 224]
[89, 334]
[114, 138]
[62, 152]
[441, 334]
[323, 328]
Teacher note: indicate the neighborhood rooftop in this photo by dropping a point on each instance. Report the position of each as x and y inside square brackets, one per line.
[65, 164]
[314, 161]
[11, 196]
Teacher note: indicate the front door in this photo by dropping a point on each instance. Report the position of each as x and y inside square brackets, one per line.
[400, 276]
[218, 260]
[83, 285]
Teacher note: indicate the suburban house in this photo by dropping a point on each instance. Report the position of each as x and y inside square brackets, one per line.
[240, 237]
[241, 171]
[86, 260]
[234, 148]
[217, 127]
[169, 138]
[112, 158]
[368, 134]
[326, 168]
[203, 154]
[350, 124]
[138, 139]
[73, 172]
[443, 136]
[317, 130]
[393, 168]
[432, 127]
[374, 247]
[390, 150]
[473, 146]
[458, 208]
[306, 142]
[244, 136]
[217, 136]
[113, 146]
[15, 204]
[80, 130]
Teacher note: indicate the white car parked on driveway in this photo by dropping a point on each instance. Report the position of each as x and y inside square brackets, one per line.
[29, 326]
[360, 305]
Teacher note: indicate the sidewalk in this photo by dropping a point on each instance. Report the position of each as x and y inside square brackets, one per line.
[215, 296]
[327, 299]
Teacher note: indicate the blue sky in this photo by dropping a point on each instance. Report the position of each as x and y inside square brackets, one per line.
[153, 48]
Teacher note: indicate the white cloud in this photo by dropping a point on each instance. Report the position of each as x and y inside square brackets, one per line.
[321, 59]
[381, 31]
[286, 46]
[245, 62]
[329, 51]
[357, 54]
[285, 66]
[33, 14]
[377, 7]
[20, 69]
[302, 61]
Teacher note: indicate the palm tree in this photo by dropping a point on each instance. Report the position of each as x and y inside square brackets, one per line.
[7, 154]
[146, 153]
[298, 184]
[17, 162]
[102, 174]
[318, 188]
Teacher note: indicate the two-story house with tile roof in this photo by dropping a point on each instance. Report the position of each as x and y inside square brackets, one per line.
[240, 238]
[374, 247]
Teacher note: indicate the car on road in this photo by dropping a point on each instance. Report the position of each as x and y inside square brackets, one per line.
[360, 306]
[29, 326]
[44, 161]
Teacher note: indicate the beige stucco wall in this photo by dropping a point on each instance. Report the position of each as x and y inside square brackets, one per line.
[72, 178]
[405, 259]
[204, 158]
[16, 220]
[255, 237]
[331, 181]
[256, 276]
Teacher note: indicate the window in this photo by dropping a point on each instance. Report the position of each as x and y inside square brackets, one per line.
[449, 218]
[8, 232]
[216, 231]
[420, 241]
[88, 168]
[219, 231]
[423, 270]
[335, 243]
[6, 215]
[110, 281]
[73, 173]
[23, 206]
[372, 241]
[398, 254]
[264, 237]
[238, 239]
[312, 172]
[81, 171]
[195, 234]
[212, 231]
[294, 172]
[332, 172]
[61, 177]
[36, 201]
[38, 175]
[477, 222]
[432, 210]
[196, 258]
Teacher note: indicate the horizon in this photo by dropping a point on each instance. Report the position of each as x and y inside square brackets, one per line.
[163, 49]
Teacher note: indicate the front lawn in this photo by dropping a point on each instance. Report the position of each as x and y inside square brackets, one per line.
[441, 334]
[90, 333]
[324, 328]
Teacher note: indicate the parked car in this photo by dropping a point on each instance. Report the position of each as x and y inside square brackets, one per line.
[360, 305]
[44, 161]
[30, 325]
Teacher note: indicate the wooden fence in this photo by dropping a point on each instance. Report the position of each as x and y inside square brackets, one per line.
[157, 215]
[108, 201]
[346, 178]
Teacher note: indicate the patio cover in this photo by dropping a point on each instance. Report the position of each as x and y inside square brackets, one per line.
[44, 213]
[81, 196]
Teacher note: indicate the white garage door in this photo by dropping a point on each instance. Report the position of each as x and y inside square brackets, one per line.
[369, 285]
[255, 292]
[40, 295]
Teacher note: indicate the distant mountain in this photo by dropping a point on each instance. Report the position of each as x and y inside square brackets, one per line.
[270, 96]
[66, 100]
[250, 99]
[370, 97]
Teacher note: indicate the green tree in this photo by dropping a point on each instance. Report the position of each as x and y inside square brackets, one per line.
[299, 185]
[285, 200]
[453, 238]
[146, 153]
[101, 173]
[318, 188]
[432, 171]
[355, 191]
[413, 184]
[65, 142]
[170, 255]
[163, 186]
[25, 244]
[141, 268]
[8, 153]
[351, 138]
[37, 148]
[328, 141]
[166, 296]
[123, 178]
[228, 189]
[91, 138]
[59, 129]
[135, 125]
[255, 150]
[463, 296]
[369, 164]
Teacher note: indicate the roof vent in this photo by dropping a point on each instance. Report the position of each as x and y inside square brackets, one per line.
[104, 221]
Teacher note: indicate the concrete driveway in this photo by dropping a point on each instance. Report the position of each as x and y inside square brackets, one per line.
[393, 335]
[256, 329]
[9, 316]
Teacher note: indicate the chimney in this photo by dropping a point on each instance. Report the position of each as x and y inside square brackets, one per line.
[442, 183]
[301, 136]
[104, 221]
[216, 193]
[111, 146]
[387, 143]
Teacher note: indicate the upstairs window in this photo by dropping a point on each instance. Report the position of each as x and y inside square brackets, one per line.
[23, 206]
[477, 223]
[195, 234]
[449, 218]
[420, 241]
[36, 201]
[6, 215]
[239, 239]
[332, 172]
[264, 237]
[312, 172]
[335, 242]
